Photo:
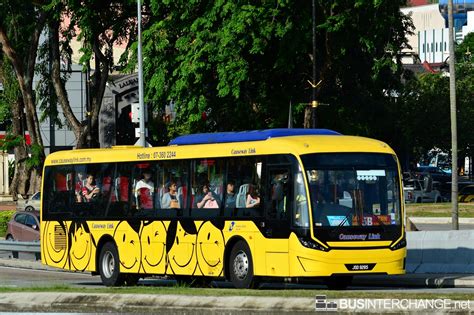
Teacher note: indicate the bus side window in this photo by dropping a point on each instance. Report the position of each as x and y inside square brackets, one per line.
[279, 192]
[56, 197]
[244, 173]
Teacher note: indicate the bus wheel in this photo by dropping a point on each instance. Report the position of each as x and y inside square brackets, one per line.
[338, 282]
[109, 266]
[241, 266]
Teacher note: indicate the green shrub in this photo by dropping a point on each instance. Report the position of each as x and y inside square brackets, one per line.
[5, 216]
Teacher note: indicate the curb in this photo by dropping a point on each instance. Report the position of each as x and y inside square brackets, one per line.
[171, 304]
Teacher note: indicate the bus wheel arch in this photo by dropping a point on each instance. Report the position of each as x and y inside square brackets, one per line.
[228, 248]
[104, 239]
[241, 267]
[109, 264]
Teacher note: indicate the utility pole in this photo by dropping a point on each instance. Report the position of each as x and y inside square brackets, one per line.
[314, 103]
[142, 140]
[454, 136]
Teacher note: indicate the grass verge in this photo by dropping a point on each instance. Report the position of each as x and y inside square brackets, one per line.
[5, 216]
[466, 210]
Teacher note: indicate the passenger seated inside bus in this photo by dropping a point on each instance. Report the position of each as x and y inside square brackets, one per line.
[279, 192]
[231, 197]
[206, 198]
[80, 182]
[253, 199]
[144, 190]
[90, 191]
[170, 199]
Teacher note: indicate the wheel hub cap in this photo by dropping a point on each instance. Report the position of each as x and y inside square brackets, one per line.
[108, 264]
[241, 265]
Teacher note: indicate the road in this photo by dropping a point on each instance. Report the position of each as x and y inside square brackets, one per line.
[20, 277]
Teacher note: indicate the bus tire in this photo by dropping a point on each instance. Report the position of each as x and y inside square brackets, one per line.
[241, 266]
[109, 266]
[338, 282]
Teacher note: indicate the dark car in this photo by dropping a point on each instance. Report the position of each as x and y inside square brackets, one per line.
[24, 226]
[438, 174]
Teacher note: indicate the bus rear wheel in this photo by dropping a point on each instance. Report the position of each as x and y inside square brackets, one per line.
[241, 266]
[338, 282]
[109, 266]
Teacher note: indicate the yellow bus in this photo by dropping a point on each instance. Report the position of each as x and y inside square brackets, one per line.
[286, 204]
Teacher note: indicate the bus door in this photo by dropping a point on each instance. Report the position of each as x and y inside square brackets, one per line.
[277, 218]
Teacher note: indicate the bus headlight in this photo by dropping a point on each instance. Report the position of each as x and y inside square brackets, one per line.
[312, 244]
[401, 244]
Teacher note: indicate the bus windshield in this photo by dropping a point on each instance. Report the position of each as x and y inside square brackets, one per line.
[353, 189]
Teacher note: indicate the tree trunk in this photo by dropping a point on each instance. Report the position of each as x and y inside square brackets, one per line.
[21, 178]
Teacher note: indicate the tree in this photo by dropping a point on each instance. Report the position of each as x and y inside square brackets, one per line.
[21, 23]
[234, 65]
[11, 104]
[424, 108]
[99, 25]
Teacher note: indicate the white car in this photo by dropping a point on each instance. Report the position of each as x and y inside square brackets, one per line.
[415, 191]
[30, 204]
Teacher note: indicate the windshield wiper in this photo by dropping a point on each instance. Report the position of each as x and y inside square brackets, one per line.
[341, 224]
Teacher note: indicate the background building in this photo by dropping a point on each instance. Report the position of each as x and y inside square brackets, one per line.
[430, 41]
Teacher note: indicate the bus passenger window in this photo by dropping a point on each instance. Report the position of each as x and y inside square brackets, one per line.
[144, 190]
[171, 199]
[208, 187]
[230, 195]
[206, 198]
[253, 197]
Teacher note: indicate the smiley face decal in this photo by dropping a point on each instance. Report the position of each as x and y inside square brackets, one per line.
[181, 242]
[153, 243]
[82, 244]
[129, 247]
[54, 250]
[210, 249]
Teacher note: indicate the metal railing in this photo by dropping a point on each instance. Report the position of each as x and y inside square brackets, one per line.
[21, 247]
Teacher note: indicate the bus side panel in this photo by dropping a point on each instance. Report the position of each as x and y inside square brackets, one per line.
[250, 233]
[54, 244]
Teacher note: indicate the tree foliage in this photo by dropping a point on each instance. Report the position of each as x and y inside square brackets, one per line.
[239, 64]
[425, 108]
[21, 23]
[99, 25]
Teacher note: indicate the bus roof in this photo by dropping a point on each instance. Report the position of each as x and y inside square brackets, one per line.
[244, 136]
[297, 145]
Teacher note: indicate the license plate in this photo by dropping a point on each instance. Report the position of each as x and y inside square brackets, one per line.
[360, 267]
